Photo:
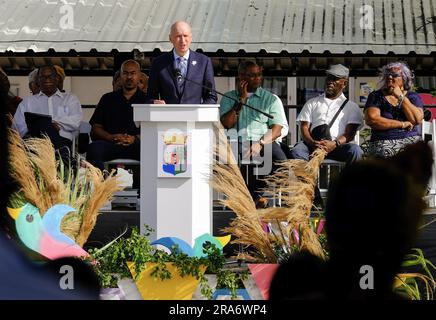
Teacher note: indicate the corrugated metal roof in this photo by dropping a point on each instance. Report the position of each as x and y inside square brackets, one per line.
[400, 26]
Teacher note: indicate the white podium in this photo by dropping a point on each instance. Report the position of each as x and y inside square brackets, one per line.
[176, 163]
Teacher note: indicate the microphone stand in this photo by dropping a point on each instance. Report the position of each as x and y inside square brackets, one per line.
[179, 75]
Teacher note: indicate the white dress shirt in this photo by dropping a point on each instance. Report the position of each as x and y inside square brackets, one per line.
[185, 56]
[321, 110]
[63, 107]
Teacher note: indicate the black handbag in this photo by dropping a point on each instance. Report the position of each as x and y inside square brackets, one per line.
[322, 132]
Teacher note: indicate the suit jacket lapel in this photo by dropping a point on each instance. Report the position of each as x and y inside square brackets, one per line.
[170, 70]
[192, 61]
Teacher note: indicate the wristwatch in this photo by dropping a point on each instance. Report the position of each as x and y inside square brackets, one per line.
[261, 142]
[337, 143]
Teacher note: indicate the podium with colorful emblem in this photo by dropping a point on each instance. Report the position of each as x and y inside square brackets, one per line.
[176, 164]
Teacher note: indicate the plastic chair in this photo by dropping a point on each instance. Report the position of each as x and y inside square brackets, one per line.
[428, 134]
[81, 138]
[129, 196]
[323, 185]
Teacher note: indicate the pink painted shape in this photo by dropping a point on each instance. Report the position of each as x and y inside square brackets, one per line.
[430, 100]
[265, 227]
[262, 275]
[53, 249]
[296, 236]
[320, 226]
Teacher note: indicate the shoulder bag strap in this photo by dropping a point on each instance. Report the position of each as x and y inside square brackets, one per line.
[337, 113]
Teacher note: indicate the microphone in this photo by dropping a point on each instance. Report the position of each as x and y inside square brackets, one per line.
[179, 76]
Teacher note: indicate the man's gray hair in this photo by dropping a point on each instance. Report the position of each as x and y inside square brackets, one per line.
[33, 76]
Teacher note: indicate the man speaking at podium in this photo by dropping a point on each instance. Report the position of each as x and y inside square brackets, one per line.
[171, 72]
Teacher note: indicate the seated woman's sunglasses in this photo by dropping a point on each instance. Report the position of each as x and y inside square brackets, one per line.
[392, 74]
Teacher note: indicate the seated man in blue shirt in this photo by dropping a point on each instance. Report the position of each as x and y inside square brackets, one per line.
[255, 130]
[114, 132]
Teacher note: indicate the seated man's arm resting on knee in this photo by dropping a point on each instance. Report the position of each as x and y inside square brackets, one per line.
[329, 146]
[99, 133]
[274, 132]
[348, 136]
[306, 136]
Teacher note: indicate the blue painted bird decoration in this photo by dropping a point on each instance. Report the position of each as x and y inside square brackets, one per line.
[43, 234]
[174, 243]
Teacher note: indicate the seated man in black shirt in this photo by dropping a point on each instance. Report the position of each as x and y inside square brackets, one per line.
[114, 132]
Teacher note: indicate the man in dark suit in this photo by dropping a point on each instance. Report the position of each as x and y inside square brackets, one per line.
[164, 86]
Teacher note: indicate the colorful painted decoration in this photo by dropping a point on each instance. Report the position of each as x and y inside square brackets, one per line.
[203, 241]
[224, 240]
[262, 275]
[176, 288]
[171, 242]
[225, 294]
[199, 244]
[43, 235]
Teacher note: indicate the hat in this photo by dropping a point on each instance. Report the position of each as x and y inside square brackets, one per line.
[338, 70]
[33, 75]
[60, 71]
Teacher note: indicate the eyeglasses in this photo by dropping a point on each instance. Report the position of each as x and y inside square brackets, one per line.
[393, 74]
[333, 78]
[51, 76]
[254, 75]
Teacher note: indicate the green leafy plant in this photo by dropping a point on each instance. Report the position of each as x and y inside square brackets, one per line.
[408, 283]
[110, 263]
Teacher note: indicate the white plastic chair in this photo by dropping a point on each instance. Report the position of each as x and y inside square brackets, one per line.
[84, 127]
[329, 163]
[429, 129]
[128, 196]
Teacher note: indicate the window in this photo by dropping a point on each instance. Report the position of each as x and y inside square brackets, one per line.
[278, 86]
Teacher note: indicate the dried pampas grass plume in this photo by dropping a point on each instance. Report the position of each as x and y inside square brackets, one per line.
[44, 181]
[102, 192]
[23, 172]
[293, 182]
[247, 226]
